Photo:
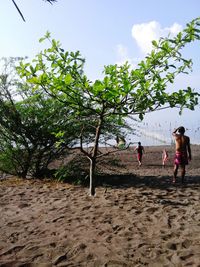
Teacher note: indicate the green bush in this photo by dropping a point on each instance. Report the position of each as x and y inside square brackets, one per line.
[72, 173]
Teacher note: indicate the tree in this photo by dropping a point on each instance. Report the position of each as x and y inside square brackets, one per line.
[122, 92]
[30, 125]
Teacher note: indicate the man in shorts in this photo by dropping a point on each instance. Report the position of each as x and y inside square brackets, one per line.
[140, 151]
[183, 152]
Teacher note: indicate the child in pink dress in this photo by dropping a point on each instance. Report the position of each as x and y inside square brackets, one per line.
[165, 157]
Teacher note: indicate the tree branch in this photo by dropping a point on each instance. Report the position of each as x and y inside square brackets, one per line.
[18, 10]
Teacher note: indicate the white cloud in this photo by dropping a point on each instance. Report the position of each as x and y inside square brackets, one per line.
[122, 55]
[145, 33]
[122, 51]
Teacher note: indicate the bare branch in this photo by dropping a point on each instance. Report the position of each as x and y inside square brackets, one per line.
[18, 10]
[49, 1]
[113, 151]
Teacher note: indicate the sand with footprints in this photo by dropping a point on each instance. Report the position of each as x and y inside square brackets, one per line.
[143, 220]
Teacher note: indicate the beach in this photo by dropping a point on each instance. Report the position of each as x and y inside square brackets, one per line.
[137, 217]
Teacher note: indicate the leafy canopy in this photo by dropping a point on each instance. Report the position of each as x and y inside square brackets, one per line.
[123, 91]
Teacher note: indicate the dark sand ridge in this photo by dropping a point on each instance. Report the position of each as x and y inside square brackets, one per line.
[141, 220]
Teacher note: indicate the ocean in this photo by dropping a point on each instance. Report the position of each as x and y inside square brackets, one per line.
[160, 136]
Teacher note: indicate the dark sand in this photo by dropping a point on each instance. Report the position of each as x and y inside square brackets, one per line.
[140, 220]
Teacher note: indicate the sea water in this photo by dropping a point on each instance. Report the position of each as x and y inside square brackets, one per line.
[160, 136]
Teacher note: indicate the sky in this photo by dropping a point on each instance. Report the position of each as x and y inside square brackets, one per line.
[106, 32]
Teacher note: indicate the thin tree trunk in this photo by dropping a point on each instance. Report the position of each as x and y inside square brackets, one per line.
[92, 177]
[93, 157]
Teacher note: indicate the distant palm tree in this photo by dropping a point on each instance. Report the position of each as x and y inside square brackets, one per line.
[50, 1]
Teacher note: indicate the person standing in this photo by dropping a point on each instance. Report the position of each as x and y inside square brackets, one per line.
[182, 152]
[165, 157]
[140, 151]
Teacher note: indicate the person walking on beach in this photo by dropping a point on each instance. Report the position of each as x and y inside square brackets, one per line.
[140, 151]
[182, 152]
[164, 157]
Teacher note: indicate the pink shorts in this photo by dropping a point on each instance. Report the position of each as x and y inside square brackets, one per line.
[181, 158]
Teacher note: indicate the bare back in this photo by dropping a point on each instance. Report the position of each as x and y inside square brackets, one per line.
[182, 143]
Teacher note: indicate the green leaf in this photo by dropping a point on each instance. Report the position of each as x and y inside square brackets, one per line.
[33, 80]
[98, 86]
[47, 35]
[42, 39]
[154, 43]
[68, 79]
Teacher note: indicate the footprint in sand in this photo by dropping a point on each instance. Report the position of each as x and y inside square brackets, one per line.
[102, 233]
[172, 246]
[23, 205]
[186, 243]
[166, 237]
[185, 256]
[117, 228]
[86, 208]
[74, 251]
[109, 238]
[151, 209]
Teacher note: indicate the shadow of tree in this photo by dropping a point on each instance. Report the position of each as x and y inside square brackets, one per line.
[154, 182]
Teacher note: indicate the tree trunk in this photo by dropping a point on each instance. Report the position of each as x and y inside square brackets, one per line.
[93, 156]
[92, 177]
